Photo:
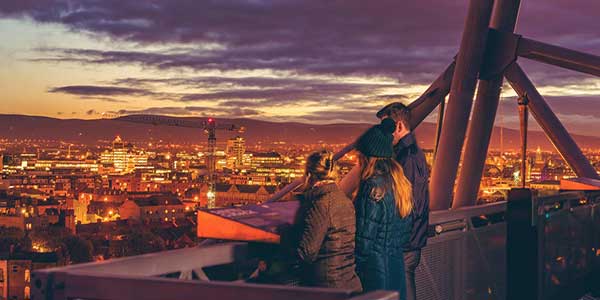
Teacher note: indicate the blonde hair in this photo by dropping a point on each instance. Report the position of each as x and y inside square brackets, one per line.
[320, 165]
[401, 187]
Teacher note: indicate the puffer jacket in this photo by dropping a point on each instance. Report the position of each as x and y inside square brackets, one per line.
[381, 234]
[325, 232]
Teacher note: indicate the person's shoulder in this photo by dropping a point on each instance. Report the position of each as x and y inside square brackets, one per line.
[324, 192]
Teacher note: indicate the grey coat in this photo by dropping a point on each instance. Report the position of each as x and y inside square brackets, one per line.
[325, 228]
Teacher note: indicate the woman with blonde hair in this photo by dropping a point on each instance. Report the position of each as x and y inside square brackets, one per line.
[322, 236]
[383, 204]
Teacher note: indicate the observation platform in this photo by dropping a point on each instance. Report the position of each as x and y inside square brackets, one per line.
[525, 248]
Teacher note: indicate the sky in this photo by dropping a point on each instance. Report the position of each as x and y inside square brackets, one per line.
[298, 60]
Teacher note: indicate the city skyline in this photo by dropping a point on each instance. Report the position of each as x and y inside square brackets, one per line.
[69, 60]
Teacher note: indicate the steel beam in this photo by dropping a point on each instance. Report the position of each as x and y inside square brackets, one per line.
[438, 129]
[559, 56]
[504, 18]
[429, 100]
[524, 121]
[468, 63]
[556, 132]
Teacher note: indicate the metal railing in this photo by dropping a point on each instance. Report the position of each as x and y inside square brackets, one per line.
[444, 272]
[467, 257]
[553, 244]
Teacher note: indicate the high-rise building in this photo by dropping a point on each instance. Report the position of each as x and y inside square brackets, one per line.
[235, 150]
[123, 158]
[538, 155]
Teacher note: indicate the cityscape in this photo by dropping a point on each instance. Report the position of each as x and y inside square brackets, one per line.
[64, 203]
[326, 150]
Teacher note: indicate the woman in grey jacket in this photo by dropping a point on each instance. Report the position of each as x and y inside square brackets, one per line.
[324, 230]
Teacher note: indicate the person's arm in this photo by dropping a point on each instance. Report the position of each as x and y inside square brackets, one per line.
[350, 182]
[369, 215]
[416, 171]
[316, 223]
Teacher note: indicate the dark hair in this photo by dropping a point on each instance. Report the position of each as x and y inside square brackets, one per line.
[397, 111]
[320, 165]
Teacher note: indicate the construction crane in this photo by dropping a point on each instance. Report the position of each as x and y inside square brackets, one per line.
[210, 127]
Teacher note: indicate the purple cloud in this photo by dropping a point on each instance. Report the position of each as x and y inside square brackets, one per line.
[90, 90]
[411, 41]
[201, 111]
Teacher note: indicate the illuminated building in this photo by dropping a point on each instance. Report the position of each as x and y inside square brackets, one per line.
[15, 275]
[122, 158]
[536, 166]
[235, 150]
[229, 194]
[266, 159]
[545, 185]
[51, 165]
[155, 208]
[15, 272]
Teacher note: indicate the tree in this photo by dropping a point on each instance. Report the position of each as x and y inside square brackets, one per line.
[79, 250]
[49, 239]
[141, 242]
[12, 237]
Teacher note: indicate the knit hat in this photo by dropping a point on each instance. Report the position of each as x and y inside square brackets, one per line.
[377, 141]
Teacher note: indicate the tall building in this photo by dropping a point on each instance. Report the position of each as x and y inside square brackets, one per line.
[538, 164]
[235, 150]
[538, 155]
[123, 158]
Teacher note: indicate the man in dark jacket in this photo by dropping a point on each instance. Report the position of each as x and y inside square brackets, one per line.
[412, 159]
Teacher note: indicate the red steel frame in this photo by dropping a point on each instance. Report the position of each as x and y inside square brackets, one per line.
[458, 109]
[504, 18]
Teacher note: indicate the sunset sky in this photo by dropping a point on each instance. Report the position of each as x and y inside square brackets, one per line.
[309, 61]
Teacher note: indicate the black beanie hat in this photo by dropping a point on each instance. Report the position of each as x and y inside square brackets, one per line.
[377, 141]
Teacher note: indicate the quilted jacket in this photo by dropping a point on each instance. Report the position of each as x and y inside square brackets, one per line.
[381, 234]
[325, 230]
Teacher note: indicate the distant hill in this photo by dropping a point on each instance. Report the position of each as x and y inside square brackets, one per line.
[92, 131]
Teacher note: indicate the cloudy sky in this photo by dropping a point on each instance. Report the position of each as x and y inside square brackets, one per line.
[309, 60]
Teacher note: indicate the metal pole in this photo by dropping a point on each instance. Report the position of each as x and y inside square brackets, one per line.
[524, 120]
[522, 255]
[504, 18]
[559, 56]
[556, 132]
[429, 100]
[457, 113]
[438, 131]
